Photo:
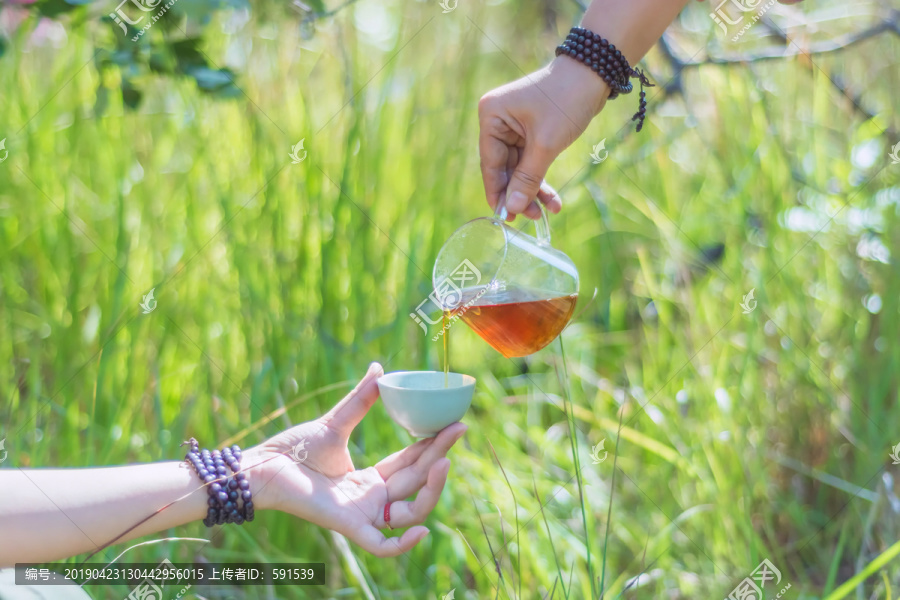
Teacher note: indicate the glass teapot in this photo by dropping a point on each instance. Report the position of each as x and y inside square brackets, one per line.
[516, 291]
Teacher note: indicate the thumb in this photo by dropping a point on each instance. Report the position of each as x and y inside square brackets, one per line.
[525, 182]
[347, 414]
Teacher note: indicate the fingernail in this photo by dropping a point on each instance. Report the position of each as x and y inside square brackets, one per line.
[372, 368]
[517, 201]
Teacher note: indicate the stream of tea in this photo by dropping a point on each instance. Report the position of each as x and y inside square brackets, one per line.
[514, 323]
[446, 324]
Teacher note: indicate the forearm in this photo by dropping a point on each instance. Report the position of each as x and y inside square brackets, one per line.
[632, 25]
[49, 514]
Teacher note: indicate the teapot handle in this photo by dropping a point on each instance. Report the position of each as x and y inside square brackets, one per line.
[541, 226]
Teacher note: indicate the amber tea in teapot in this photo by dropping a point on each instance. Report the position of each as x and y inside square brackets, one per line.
[515, 291]
[518, 322]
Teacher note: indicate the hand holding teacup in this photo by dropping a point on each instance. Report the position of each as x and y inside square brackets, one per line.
[322, 485]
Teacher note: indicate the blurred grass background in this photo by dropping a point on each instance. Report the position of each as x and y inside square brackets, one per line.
[744, 437]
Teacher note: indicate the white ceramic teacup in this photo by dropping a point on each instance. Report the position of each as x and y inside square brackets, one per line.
[419, 402]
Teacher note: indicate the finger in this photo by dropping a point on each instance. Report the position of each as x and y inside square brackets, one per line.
[373, 541]
[404, 514]
[532, 211]
[494, 155]
[550, 198]
[347, 413]
[515, 153]
[405, 482]
[402, 459]
[526, 180]
[512, 160]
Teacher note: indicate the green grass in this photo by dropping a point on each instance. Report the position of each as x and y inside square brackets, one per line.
[276, 280]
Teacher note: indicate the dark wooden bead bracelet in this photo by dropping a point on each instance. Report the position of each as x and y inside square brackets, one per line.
[602, 57]
[230, 500]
